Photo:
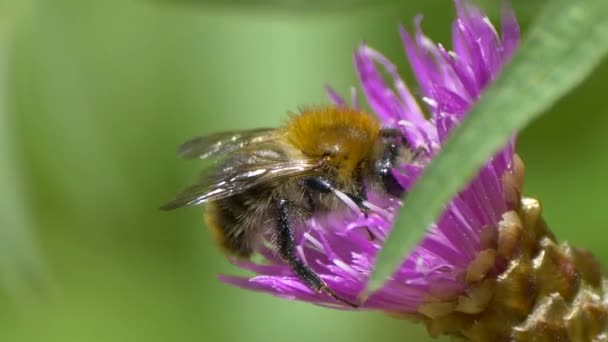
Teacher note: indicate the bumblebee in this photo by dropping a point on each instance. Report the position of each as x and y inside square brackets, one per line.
[270, 179]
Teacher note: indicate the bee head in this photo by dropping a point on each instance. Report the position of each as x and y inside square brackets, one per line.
[391, 150]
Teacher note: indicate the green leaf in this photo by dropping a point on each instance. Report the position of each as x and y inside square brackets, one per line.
[565, 44]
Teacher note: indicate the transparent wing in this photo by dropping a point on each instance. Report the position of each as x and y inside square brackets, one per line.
[224, 142]
[237, 179]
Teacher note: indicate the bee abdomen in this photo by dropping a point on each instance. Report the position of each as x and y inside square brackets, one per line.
[227, 229]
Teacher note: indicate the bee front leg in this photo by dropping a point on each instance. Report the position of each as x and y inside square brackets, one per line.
[325, 186]
[286, 246]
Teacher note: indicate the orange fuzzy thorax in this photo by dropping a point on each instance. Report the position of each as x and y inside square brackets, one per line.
[342, 136]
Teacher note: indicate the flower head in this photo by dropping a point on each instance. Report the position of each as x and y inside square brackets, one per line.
[338, 246]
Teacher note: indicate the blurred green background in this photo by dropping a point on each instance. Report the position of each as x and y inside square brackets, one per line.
[94, 98]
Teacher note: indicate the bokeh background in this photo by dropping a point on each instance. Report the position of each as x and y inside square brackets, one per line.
[94, 98]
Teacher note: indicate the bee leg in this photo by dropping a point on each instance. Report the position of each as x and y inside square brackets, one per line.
[285, 241]
[418, 153]
[324, 185]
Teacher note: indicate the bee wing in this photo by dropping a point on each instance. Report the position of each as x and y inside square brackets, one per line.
[237, 180]
[224, 142]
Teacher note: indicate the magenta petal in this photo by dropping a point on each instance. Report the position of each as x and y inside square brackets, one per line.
[461, 71]
[450, 102]
[510, 32]
[379, 96]
[421, 64]
[334, 97]
[390, 108]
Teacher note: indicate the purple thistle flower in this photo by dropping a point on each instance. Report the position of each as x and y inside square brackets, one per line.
[338, 246]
